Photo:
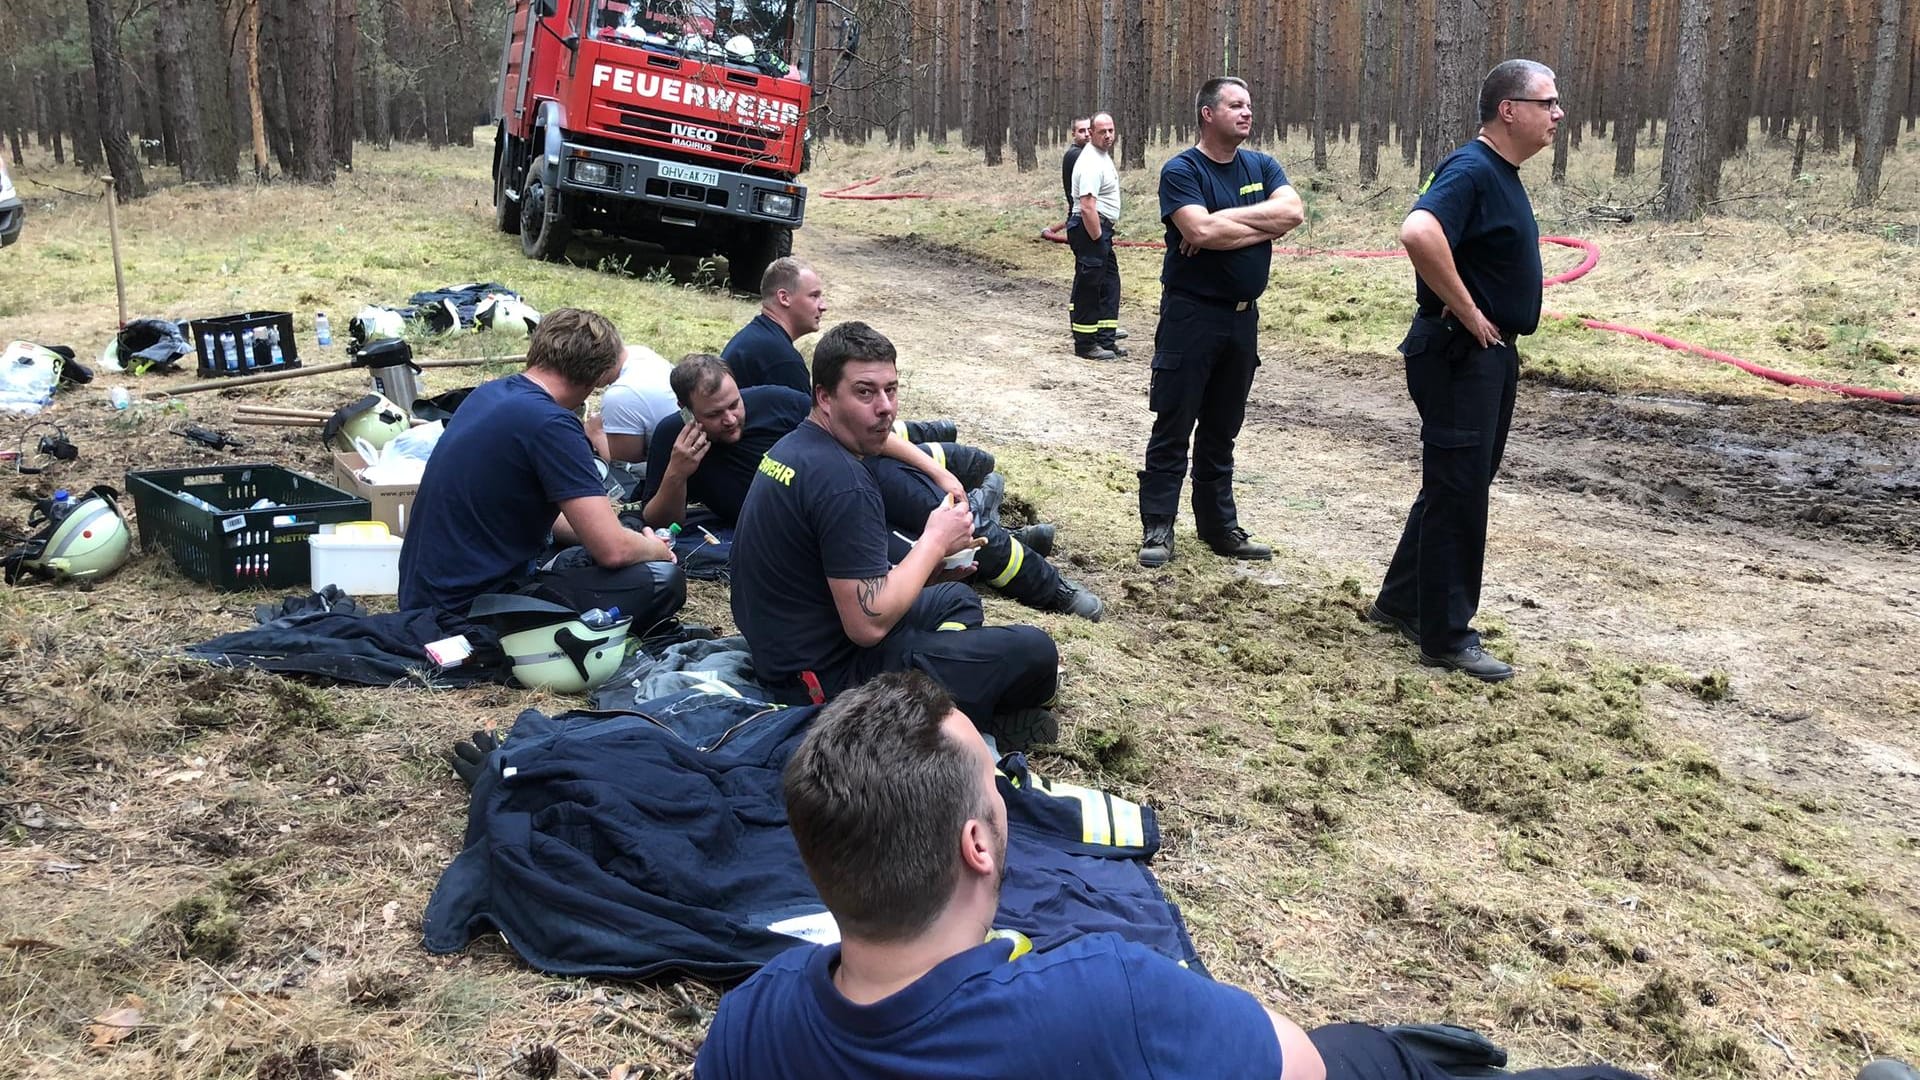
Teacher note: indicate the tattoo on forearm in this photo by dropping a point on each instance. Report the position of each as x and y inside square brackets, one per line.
[868, 591]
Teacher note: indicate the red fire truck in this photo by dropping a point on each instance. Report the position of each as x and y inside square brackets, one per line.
[677, 122]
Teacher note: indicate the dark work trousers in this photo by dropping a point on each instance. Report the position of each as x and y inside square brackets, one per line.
[1204, 356]
[1364, 1052]
[968, 464]
[1005, 564]
[1093, 310]
[989, 670]
[650, 592]
[1465, 397]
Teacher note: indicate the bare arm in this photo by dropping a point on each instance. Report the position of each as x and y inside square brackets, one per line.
[1215, 232]
[1299, 1059]
[632, 448]
[592, 523]
[906, 453]
[870, 607]
[596, 426]
[1277, 216]
[1432, 258]
[669, 503]
[1090, 216]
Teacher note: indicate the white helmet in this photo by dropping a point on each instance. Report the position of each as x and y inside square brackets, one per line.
[549, 647]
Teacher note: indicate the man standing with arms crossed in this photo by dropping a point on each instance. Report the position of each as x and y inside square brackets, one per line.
[1223, 208]
[1093, 310]
[1476, 250]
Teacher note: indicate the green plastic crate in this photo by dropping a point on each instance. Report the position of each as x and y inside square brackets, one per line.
[238, 548]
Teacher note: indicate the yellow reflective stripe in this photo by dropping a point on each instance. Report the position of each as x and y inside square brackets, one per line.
[900, 428]
[1016, 556]
[1086, 328]
[951, 626]
[1427, 183]
[1109, 324]
[1253, 187]
[1128, 829]
[1096, 826]
[937, 452]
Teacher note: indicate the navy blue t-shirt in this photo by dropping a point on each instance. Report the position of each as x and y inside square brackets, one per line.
[813, 513]
[490, 494]
[762, 354]
[1479, 200]
[1096, 1006]
[724, 475]
[1191, 178]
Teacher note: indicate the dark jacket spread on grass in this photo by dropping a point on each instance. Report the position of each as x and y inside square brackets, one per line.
[632, 844]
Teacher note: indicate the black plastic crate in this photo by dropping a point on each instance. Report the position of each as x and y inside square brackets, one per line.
[233, 547]
[253, 355]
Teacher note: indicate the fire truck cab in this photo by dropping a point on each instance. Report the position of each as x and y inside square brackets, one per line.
[677, 122]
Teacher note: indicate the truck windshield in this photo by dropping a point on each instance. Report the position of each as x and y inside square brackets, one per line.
[758, 35]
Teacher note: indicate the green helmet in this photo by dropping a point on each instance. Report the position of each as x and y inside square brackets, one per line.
[373, 420]
[82, 539]
[548, 645]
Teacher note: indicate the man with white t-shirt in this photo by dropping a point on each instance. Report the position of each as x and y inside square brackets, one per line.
[1093, 310]
[632, 407]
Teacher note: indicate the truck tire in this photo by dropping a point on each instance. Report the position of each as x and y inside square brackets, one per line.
[506, 211]
[750, 255]
[541, 237]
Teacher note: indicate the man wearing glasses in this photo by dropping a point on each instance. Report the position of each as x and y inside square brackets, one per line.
[1475, 250]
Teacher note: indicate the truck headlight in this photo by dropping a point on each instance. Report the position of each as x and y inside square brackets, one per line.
[775, 204]
[595, 173]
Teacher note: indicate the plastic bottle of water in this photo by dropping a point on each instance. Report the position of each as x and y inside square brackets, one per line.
[231, 347]
[323, 330]
[601, 618]
[273, 345]
[60, 505]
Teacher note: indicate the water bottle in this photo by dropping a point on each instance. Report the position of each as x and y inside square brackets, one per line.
[273, 347]
[231, 347]
[601, 618]
[119, 397]
[60, 505]
[323, 330]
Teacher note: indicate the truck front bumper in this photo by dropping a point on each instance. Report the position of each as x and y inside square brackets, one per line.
[683, 194]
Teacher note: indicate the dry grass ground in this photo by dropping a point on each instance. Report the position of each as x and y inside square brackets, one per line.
[1350, 836]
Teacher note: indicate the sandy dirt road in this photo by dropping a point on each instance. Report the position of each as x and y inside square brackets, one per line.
[1775, 540]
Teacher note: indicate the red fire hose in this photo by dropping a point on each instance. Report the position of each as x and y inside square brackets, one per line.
[1057, 235]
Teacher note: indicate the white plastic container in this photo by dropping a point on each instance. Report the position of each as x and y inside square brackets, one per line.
[360, 557]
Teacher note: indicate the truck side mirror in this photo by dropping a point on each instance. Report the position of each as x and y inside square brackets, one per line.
[546, 8]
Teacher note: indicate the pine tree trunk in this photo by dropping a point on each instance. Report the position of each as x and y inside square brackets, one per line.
[993, 110]
[972, 89]
[1322, 19]
[1686, 149]
[1873, 126]
[271, 58]
[1373, 87]
[1833, 62]
[1134, 126]
[102, 33]
[937, 129]
[182, 99]
[904, 89]
[346, 42]
[1103, 90]
[1626, 129]
[308, 52]
[1448, 74]
[1409, 67]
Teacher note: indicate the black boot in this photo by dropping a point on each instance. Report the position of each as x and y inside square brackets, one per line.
[1218, 522]
[985, 502]
[1037, 538]
[1156, 541]
[1072, 598]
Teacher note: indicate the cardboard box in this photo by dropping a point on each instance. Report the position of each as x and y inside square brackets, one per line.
[392, 503]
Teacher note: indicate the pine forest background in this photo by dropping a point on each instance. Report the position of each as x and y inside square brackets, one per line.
[210, 89]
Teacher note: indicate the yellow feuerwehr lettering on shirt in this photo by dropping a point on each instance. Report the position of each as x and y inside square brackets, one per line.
[782, 473]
